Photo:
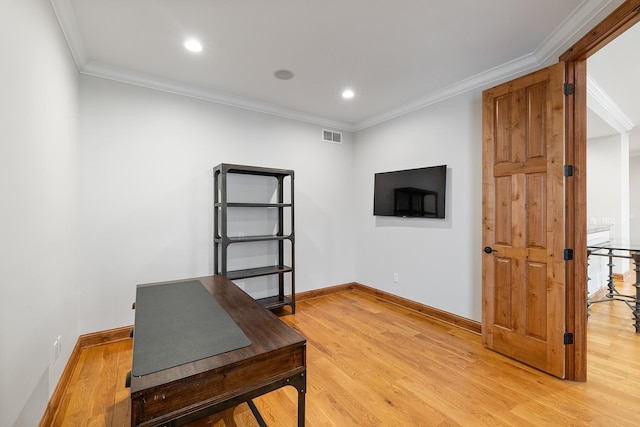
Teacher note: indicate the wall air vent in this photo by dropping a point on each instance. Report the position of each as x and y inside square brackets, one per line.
[330, 136]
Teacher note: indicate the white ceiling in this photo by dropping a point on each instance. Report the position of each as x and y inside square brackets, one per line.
[396, 55]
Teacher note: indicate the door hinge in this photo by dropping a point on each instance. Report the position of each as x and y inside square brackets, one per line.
[568, 338]
[568, 170]
[568, 254]
[568, 89]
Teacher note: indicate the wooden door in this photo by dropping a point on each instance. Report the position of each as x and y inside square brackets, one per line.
[523, 235]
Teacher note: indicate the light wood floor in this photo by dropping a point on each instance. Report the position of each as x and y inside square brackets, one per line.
[376, 364]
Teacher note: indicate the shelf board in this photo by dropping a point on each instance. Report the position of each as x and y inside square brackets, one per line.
[256, 272]
[254, 205]
[252, 170]
[254, 238]
[274, 302]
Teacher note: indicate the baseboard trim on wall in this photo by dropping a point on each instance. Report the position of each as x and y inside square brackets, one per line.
[599, 294]
[317, 293]
[623, 277]
[435, 313]
[84, 341]
[104, 337]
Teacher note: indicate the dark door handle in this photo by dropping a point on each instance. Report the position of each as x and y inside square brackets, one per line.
[489, 249]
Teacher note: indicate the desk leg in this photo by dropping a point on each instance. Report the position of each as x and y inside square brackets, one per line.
[636, 310]
[301, 409]
[300, 384]
[256, 413]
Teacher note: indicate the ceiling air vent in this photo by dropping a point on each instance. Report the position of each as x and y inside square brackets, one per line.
[330, 136]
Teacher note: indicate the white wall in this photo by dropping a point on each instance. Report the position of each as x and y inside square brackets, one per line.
[38, 193]
[608, 188]
[634, 188]
[608, 183]
[634, 198]
[146, 185]
[438, 261]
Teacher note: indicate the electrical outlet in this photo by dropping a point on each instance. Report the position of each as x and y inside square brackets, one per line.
[396, 278]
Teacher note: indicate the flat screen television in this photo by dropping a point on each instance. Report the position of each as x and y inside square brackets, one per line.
[418, 193]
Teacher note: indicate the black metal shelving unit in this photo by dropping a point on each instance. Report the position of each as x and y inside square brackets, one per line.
[222, 240]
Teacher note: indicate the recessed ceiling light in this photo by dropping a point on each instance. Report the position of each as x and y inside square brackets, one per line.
[193, 45]
[283, 74]
[348, 94]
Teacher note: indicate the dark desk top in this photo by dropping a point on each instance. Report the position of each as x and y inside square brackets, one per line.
[264, 330]
[178, 323]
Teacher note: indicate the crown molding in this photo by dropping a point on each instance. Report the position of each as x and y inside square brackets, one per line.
[573, 27]
[570, 27]
[71, 31]
[152, 82]
[484, 79]
[601, 104]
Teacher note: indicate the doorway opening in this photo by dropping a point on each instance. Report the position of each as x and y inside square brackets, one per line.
[622, 19]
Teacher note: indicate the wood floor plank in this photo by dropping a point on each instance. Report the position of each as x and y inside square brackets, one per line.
[374, 363]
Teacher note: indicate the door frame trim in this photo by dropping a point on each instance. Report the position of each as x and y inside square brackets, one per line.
[616, 23]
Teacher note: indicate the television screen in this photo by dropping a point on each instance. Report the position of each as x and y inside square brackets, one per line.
[416, 193]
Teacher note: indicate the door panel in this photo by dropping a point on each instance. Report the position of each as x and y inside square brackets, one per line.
[523, 220]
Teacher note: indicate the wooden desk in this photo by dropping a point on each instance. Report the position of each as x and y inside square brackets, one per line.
[275, 358]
